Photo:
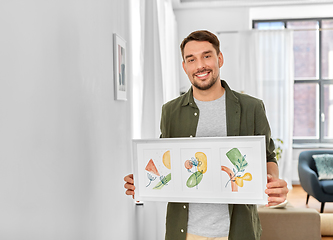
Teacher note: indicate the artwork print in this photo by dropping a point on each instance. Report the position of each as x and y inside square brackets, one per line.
[121, 69]
[195, 170]
[197, 166]
[154, 177]
[120, 76]
[237, 175]
[212, 170]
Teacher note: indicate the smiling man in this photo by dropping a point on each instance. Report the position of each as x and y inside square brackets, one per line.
[211, 109]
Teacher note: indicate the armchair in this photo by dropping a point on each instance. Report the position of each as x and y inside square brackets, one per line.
[308, 175]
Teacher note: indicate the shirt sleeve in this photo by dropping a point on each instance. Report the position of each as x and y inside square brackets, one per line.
[263, 128]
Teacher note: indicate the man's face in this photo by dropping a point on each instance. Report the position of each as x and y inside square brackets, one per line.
[202, 64]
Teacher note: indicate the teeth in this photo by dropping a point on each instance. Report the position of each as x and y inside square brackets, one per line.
[202, 75]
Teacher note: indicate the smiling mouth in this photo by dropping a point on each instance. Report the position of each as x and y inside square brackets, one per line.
[202, 75]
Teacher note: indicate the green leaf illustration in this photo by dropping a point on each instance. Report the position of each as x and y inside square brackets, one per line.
[163, 181]
[237, 159]
[194, 179]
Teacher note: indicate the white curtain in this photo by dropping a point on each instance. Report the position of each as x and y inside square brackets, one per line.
[155, 70]
[155, 81]
[266, 72]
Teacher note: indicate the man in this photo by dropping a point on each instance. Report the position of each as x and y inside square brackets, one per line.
[209, 109]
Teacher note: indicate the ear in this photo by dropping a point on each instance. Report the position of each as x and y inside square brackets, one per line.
[183, 63]
[221, 59]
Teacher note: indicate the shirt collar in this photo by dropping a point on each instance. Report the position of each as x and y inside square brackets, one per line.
[189, 100]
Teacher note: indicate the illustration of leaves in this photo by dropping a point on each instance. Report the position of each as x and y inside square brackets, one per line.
[164, 181]
[237, 167]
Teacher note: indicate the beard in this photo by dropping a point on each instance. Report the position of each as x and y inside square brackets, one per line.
[207, 86]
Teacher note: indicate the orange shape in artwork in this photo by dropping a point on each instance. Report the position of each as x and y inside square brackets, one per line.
[152, 168]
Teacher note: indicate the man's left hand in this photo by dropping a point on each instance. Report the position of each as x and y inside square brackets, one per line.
[276, 190]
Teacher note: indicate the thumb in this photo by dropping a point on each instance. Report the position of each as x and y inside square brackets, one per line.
[269, 177]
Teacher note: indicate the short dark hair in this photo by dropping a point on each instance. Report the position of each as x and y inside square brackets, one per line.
[201, 35]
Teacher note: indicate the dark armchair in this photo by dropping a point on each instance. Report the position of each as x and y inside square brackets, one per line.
[308, 176]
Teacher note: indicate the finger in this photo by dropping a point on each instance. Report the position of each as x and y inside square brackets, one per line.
[277, 184]
[130, 192]
[275, 200]
[129, 186]
[270, 204]
[276, 197]
[278, 191]
[269, 177]
[129, 178]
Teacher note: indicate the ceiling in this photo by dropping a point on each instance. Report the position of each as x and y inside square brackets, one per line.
[241, 3]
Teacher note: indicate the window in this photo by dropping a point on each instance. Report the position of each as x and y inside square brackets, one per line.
[313, 76]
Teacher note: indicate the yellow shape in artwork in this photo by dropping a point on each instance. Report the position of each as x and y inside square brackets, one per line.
[246, 177]
[166, 159]
[202, 159]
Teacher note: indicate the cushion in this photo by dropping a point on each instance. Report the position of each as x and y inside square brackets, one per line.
[324, 164]
[326, 226]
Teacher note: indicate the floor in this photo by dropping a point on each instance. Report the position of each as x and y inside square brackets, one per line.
[297, 198]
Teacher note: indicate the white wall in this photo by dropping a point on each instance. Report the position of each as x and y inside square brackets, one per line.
[65, 141]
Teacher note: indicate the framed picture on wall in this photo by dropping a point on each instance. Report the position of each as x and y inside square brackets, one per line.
[120, 67]
[208, 170]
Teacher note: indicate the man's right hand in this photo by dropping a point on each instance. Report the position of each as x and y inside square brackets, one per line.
[129, 185]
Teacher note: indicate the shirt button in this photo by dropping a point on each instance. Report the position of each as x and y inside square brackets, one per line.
[195, 114]
[184, 206]
[182, 230]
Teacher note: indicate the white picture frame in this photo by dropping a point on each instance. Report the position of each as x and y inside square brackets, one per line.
[201, 170]
[119, 68]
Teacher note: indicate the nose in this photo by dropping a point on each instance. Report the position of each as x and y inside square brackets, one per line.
[200, 65]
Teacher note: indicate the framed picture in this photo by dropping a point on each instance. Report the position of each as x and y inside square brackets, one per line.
[119, 69]
[210, 170]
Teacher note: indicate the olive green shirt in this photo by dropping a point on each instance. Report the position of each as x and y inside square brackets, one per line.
[245, 117]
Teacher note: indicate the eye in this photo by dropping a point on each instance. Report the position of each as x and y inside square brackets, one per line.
[207, 56]
[190, 60]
